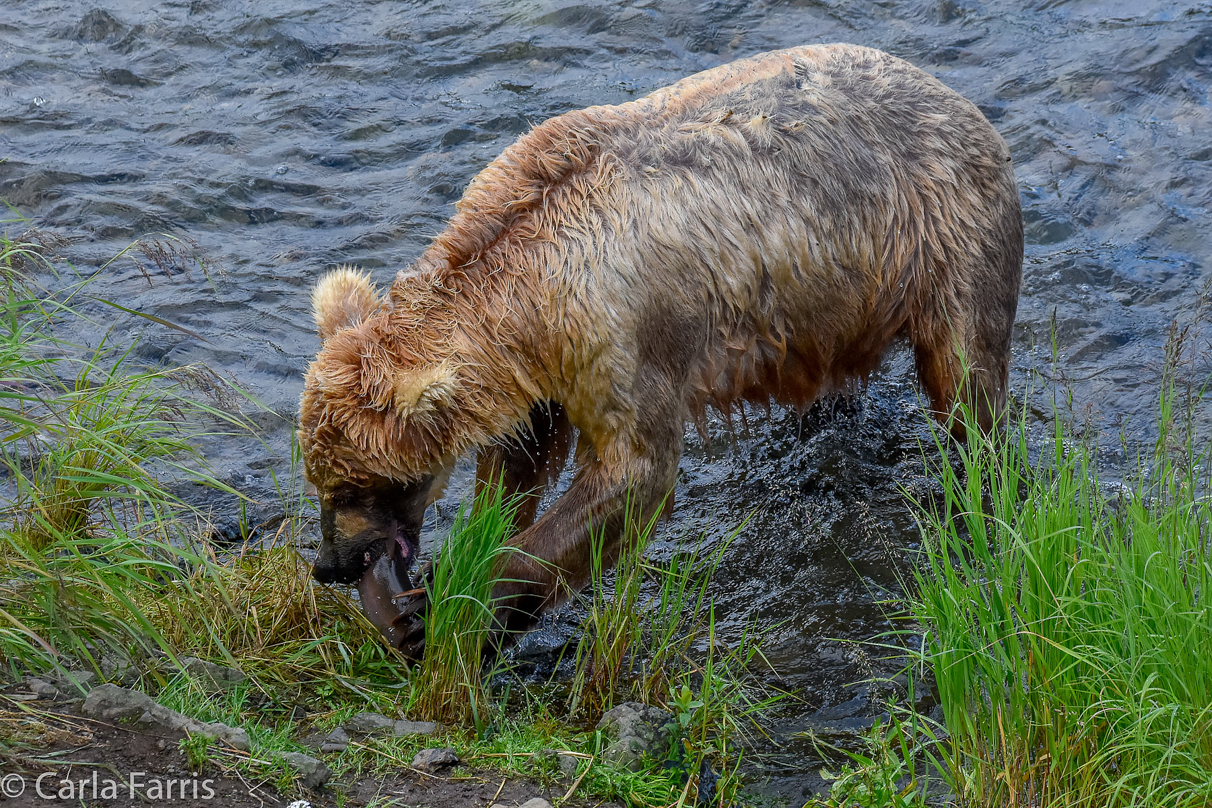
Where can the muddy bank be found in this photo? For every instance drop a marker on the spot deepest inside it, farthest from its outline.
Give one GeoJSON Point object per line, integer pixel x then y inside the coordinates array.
{"type": "Point", "coordinates": [59, 752]}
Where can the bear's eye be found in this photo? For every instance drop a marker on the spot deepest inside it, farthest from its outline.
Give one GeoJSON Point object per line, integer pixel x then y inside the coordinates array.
{"type": "Point", "coordinates": [344, 497]}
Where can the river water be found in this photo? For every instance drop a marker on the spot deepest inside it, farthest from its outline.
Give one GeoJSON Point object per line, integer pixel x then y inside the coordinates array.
{"type": "Point", "coordinates": [283, 137]}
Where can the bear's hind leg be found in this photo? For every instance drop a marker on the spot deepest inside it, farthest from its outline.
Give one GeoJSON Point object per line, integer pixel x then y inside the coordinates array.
{"type": "Point", "coordinates": [957, 371]}
{"type": "Point", "coordinates": [941, 375]}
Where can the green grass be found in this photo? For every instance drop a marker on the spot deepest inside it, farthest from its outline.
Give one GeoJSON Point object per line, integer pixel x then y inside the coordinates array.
{"type": "Point", "coordinates": [642, 621]}
{"type": "Point", "coordinates": [1068, 624]}
{"type": "Point", "coordinates": [886, 773]}
{"type": "Point", "coordinates": [613, 629]}
{"type": "Point", "coordinates": [449, 684]}
{"type": "Point", "coordinates": [512, 745]}
{"type": "Point", "coordinates": [89, 528]}
{"type": "Point", "coordinates": [98, 557]}
{"type": "Point", "coordinates": [649, 635]}
{"type": "Point", "coordinates": [101, 561]}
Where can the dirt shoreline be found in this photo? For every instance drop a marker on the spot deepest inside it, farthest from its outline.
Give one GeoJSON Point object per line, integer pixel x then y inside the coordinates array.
{"type": "Point", "coordinates": [83, 761]}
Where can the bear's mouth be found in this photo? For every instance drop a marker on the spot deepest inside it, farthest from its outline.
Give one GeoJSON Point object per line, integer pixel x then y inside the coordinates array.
{"type": "Point", "coordinates": [401, 554]}
{"type": "Point", "coordinates": [390, 560]}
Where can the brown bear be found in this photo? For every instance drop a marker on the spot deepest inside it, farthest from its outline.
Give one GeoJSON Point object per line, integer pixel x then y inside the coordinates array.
{"type": "Point", "coordinates": [759, 231]}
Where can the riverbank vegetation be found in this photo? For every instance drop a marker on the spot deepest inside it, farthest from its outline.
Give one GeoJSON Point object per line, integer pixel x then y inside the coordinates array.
{"type": "Point", "coordinates": [1063, 614]}
{"type": "Point", "coordinates": [1067, 621]}
{"type": "Point", "coordinates": [104, 566]}
{"type": "Point", "coordinates": [1060, 612]}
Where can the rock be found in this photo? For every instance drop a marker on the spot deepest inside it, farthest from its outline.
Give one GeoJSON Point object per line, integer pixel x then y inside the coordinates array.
{"type": "Point", "coordinates": [97, 25]}
{"type": "Point", "coordinates": [118, 668]}
{"type": "Point", "coordinates": [372, 724]}
{"type": "Point", "coordinates": [569, 765]}
{"type": "Point", "coordinates": [430, 760]}
{"type": "Point", "coordinates": [537, 802]}
{"type": "Point", "coordinates": [312, 773]}
{"type": "Point", "coordinates": [635, 730]}
{"type": "Point", "coordinates": [314, 741]}
{"type": "Point", "coordinates": [208, 673]}
{"type": "Point", "coordinates": [707, 780]}
{"type": "Point", "coordinates": [337, 741]}
{"type": "Point", "coordinates": [110, 703]}
{"type": "Point", "coordinates": [42, 688]}
{"type": "Point", "coordinates": [847, 733]}
{"type": "Point", "coordinates": [75, 683]}
{"type": "Point", "coordinates": [552, 758]}
{"type": "Point", "coordinates": [402, 728]}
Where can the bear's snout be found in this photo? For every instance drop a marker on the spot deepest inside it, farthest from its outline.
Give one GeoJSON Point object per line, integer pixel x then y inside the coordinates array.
{"type": "Point", "coordinates": [332, 567]}
{"type": "Point", "coordinates": [324, 569]}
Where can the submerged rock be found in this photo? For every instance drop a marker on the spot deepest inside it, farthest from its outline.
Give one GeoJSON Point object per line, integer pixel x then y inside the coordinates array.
{"type": "Point", "coordinates": [97, 25]}
{"type": "Point", "coordinates": [635, 730]}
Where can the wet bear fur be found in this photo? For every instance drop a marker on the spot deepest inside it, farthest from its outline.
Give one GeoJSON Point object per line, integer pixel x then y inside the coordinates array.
{"type": "Point", "coordinates": [761, 231]}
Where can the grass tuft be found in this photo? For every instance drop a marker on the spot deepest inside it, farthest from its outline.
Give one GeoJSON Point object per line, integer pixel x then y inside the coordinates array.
{"type": "Point", "coordinates": [99, 558]}
{"type": "Point", "coordinates": [449, 684]}
{"type": "Point", "coordinates": [1068, 621]}
{"type": "Point", "coordinates": [613, 627]}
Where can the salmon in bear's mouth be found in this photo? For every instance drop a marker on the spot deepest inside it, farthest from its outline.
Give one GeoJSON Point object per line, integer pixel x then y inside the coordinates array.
{"type": "Point", "coordinates": [385, 580]}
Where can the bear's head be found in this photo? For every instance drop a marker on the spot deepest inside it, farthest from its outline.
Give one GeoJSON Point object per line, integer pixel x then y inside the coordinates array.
{"type": "Point", "coordinates": [375, 429]}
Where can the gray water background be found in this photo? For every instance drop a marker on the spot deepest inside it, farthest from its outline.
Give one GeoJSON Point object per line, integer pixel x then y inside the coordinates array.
{"type": "Point", "coordinates": [287, 137]}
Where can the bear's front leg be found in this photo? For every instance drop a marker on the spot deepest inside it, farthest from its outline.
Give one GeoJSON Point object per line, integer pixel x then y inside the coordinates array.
{"type": "Point", "coordinates": [529, 464]}
{"type": "Point", "coordinates": [552, 557]}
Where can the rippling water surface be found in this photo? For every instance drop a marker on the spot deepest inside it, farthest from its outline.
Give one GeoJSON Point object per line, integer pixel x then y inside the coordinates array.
{"type": "Point", "coordinates": [285, 137]}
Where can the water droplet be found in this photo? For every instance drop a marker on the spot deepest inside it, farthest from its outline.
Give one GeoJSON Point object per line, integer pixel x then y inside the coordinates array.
{"type": "Point", "coordinates": [39, 101]}
{"type": "Point", "coordinates": [282, 169]}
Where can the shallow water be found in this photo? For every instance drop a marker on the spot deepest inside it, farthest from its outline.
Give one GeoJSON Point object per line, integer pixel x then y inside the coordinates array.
{"type": "Point", "coordinates": [285, 137]}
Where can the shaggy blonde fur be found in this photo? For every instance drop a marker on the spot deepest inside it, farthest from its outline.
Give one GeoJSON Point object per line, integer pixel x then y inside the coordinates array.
{"type": "Point", "coordinates": [344, 298]}
{"type": "Point", "coordinates": [763, 230]}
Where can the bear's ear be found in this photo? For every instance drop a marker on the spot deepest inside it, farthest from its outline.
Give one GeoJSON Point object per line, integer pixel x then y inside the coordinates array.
{"type": "Point", "coordinates": [343, 298]}
{"type": "Point", "coordinates": [418, 393]}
